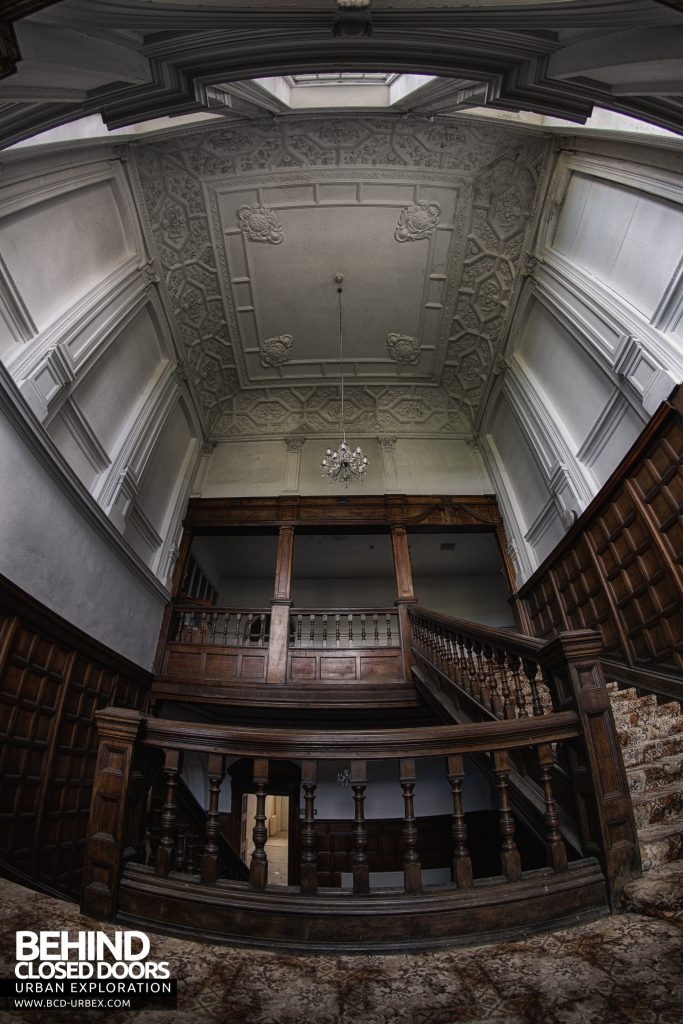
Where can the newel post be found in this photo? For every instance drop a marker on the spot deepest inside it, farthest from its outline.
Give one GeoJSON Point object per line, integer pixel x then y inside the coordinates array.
{"type": "Point", "coordinates": [404, 594]}
{"type": "Point", "coordinates": [118, 729]}
{"type": "Point", "coordinates": [605, 811]}
{"type": "Point", "coordinates": [280, 606]}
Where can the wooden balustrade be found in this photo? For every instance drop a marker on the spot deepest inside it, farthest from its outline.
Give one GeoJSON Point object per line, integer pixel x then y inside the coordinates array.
{"type": "Point", "coordinates": [225, 627]}
{"type": "Point", "coordinates": [511, 677]}
{"type": "Point", "coordinates": [344, 627]}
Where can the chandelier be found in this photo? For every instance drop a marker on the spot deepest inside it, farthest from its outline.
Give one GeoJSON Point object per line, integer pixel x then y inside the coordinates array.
{"type": "Point", "coordinates": [345, 463]}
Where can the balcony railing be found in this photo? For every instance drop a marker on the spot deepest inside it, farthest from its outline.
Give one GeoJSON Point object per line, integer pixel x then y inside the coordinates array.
{"type": "Point", "coordinates": [545, 703]}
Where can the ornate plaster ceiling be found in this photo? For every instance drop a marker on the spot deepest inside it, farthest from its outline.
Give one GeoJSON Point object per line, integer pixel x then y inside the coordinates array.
{"type": "Point", "coordinates": [425, 218]}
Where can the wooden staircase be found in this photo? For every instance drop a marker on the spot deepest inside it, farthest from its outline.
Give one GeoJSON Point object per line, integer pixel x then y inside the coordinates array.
{"type": "Point", "coordinates": [651, 737]}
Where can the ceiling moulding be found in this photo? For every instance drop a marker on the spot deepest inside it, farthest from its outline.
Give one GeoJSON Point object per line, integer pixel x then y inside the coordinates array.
{"type": "Point", "coordinates": [228, 295]}
{"type": "Point", "coordinates": [175, 58]}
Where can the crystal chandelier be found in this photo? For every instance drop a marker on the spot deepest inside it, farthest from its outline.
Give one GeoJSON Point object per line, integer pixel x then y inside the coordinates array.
{"type": "Point", "coordinates": [346, 463]}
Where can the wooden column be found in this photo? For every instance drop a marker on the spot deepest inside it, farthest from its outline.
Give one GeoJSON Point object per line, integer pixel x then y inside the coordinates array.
{"type": "Point", "coordinates": [412, 869]}
{"type": "Point", "coordinates": [258, 869]}
{"type": "Point", "coordinates": [361, 871]}
{"type": "Point", "coordinates": [309, 863]}
{"type": "Point", "coordinates": [210, 854]}
{"type": "Point", "coordinates": [117, 729]}
{"type": "Point", "coordinates": [404, 593]}
{"type": "Point", "coordinates": [280, 606]}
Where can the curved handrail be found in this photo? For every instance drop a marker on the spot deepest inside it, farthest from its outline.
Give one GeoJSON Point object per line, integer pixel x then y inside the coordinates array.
{"type": "Point", "coordinates": [366, 744]}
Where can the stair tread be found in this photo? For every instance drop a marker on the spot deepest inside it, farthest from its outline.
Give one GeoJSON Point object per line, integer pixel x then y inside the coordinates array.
{"type": "Point", "coordinates": [676, 789]}
{"type": "Point", "coordinates": [661, 829]}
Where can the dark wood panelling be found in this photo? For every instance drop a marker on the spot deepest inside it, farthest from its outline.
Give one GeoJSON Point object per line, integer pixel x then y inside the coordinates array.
{"type": "Point", "coordinates": [52, 680]}
{"type": "Point", "coordinates": [619, 567]}
{"type": "Point", "coordinates": [362, 663]}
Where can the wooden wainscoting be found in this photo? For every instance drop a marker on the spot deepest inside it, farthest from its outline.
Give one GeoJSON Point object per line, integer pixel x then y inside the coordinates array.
{"type": "Point", "coordinates": [619, 568]}
{"type": "Point", "coordinates": [53, 678]}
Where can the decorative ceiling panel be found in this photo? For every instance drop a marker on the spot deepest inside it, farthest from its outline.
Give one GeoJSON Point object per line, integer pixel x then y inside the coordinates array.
{"type": "Point", "coordinates": [426, 220]}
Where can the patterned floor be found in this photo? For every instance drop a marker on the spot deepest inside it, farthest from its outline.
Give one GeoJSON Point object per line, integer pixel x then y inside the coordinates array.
{"type": "Point", "coordinates": [619, 970]}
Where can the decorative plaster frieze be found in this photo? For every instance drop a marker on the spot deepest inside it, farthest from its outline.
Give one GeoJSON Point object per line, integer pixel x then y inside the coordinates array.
{"type": "Point", "coordinates": [387, 447]}
{"type": "Point", "coordinates": [491, 231]}
{"type": "Point", "coordinates": [260, 224]}
{"type": "Point", "coordinates": [403, 349]}
{"type": "Point", "coordinates": [275, 351]}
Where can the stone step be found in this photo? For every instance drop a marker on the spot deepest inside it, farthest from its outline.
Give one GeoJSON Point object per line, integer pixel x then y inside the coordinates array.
{"type": "Point", "coordinates": [661, 843]}
{"type": "Point", "coordinates": [663, 805]}
{"type": "Point", "coordinates": [660, 728]}
{"type": "Point", "coordinates": [651, 750]}
{"type": "Point", "coordinates": [648, 777]}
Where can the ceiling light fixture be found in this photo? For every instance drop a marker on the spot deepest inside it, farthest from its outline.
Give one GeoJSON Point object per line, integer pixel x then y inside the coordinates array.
{"type": "Point", "coordinates": [345, 464]}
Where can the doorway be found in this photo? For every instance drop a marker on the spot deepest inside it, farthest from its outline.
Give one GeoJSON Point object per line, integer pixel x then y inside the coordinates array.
{"type": "Point", "coordinates": [277, 844]}
{"type": "Point", "coordinates": [282, 818]}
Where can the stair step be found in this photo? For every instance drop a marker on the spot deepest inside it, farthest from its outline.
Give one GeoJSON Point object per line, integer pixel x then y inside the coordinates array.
{"type": "Point", "coordinates": [625, 707]}
{"type": "Point", "coordinates": [660, 728]}
{"type": "Point", "coordinates": [659, 893]}
{"type": "Point", "coordinates": [643, 715]}
{"type": "Point", "coordinates": [665, 804]}
{"type": "Point", "coordinates": [615, 695]}
{"type": "Point", "coordinates": [661, 843]}
{"type": "Point", "coordinates": [647, 777]}
{"type": "Point", "coordinates": [650, 750]}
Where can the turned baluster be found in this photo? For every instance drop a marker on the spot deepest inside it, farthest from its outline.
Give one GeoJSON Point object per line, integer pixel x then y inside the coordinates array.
{"type": "Point", "coordinates": [309, 860]}
{"type": "Point", "coordinates": [496, 697]}
{"type": "Point", "coordinates": [311, 631]}
{"type": "Point", "coordinates": [238, 619]}
{"type": "Point", "coordinates": [473, 684]}
{"type": "Point", "coordinates": [350, 618]}
{"type": "Point", "coordinates": [325, 628]}
{"type": "Point", "coordinates": [336, 628]}
{"type": "Point", "coordinates": [486, 696]}
{"type": "Point", "coordinates": [557, 852]}
{"type": "Point", "coordinates": [388, 638]}
{"type": "Point", "coordinates": [462, 863]}
{"type": "Point", "coordinates": [299, 624]}
{"type": "Point", "coordinates": [258, 868]}
{"type": "Point", "coordinates": [190, 847]}
{"type": "Point", "coordinates": [262, 631]}
{"type": "Point", "coordinates": [181, 838]}
{"type": "Point", "coordinates": [173, 762]}
{"type": "Point", "coordinates": [412, 869]}
{"type": "Point", "coordinates": [509, 854]}
{"type": "Point", "coordinates": [213, 623]}
{"type": "Point", "coordinates": [530, 669]}
{"type": "Point", "coordinates": [361, 872]}
{"type": "Point", "coordinates": [513, 662]}
{"type": "Point", "coordinates": [362, 627]}
{"type": "Point", "coordinates": [226, 622]}
{"type": "Point", "coordinates": [508, 702]}
{"type": "Point", "coordinates": [209, 872]}
{"type": "Point", "coordinates": [247, 631]}
{"type": "Point", "coordinates": [375, 622]}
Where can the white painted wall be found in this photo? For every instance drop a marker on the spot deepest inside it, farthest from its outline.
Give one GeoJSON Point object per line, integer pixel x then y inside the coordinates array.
{"type": "Point", "coordinates": [57, 545]}
{"type": "Point", "coordinates": [409, 466]}
{"type": "Point", "coordinates": [594, 344]}
{"type": "Point", "coordinates": [85, 338]}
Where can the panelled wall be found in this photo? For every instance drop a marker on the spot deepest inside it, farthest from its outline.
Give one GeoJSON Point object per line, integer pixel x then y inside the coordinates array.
{"type": "Point", "coordinates": [596, 342]}
{"type": "Point", "coordinates": [88, 345]}
{"type": "Point", "coordinates": [52, 680]}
